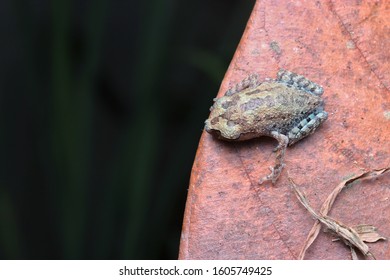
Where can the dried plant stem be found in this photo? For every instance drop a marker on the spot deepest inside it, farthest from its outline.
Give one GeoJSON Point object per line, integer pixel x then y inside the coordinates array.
{"type": "Point", "coordinates": [348, 234]}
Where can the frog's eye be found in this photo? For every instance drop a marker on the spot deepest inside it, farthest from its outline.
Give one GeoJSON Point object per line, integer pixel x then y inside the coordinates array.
{"type": "Point", "coordinates": [226, 104]}
{"type": "Point", "coordinates": [213, 132]}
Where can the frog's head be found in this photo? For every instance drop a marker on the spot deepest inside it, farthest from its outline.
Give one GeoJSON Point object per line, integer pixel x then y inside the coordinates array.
{"type": "Point", "coordinates": [221, 128]}
{"type": "Point", "coordinates": [221, 122]}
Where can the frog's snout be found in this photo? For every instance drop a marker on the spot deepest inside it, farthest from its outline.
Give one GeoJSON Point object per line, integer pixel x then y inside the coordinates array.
{"type": "Point", "coordinates": [207, 125]}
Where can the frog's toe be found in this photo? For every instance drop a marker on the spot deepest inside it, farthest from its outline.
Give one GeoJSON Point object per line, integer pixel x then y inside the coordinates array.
{"type": "Point", "coordinates": [273, 176]}
{"type": "Point", "coordinates": [267, 178]}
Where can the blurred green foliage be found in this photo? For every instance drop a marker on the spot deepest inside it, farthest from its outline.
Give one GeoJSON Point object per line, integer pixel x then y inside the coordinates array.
{"type": "Point", "coordinates": [102, 106]}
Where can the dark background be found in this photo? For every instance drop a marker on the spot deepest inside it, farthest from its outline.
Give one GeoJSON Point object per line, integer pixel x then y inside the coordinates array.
{"type": "Point", "coordinates": [102, 105]}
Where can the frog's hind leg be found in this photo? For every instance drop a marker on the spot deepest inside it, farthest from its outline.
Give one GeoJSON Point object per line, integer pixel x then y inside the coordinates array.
{"type": "Point", "coordinates": [279, 164]}
{"type": "Point", "coordinates": [307, 126]}
{"type": "Point", "coordinates": [249, 82]}
{"type": "Point", "coordinates": [299, 81]}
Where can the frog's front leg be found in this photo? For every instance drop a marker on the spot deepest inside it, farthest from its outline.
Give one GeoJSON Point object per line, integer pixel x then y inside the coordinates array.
{"type": "Point", "coordinates": [251, 81]}
{"type": "Point", "coordinates": [280, 150]}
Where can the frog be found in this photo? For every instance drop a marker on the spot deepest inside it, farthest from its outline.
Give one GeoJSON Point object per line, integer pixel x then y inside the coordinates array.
{"type": "Point", "coordinates": [288, 109]}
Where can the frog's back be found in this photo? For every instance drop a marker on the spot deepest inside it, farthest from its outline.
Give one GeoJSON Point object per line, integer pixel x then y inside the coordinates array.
{"type": "Point", "coordinates": [274, 106]}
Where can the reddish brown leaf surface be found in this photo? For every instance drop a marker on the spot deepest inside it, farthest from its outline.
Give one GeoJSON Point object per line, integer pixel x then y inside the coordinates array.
{"type": "Point", "coordinates": [344, 46]}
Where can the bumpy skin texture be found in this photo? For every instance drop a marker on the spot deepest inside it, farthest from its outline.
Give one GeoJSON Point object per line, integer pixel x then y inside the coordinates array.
{"type": "Point", "coordinates": [287, 109]}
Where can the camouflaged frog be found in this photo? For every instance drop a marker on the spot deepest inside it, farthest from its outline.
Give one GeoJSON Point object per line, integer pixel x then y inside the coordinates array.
{"type": "Point", "coordinates": [287, 109]}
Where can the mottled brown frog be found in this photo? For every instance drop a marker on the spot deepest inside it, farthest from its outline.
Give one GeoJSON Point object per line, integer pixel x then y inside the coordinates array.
{"type": "Point", "coordinates": [287, 109]}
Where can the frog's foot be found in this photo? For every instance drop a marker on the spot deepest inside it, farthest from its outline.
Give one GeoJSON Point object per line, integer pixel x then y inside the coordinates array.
{"type": "Point", "coordinates": [249, 82]}
{"type": "Point", "coordinates": [273, 176]}
{"type": "Point", "coordinates": [307, 126]}
{"type": "Point", "coordinates": [280, 151]}
{"type": "Point", "coordinates": [299, 82]}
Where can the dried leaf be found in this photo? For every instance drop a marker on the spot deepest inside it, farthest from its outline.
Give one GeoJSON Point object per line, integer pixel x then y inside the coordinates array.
{"type": "Point", "coordinates": [327, 205]}
{"type": "Point", "coordinates": [368, 233]}
{"type": "Point", "coordinates": [347, 234]}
